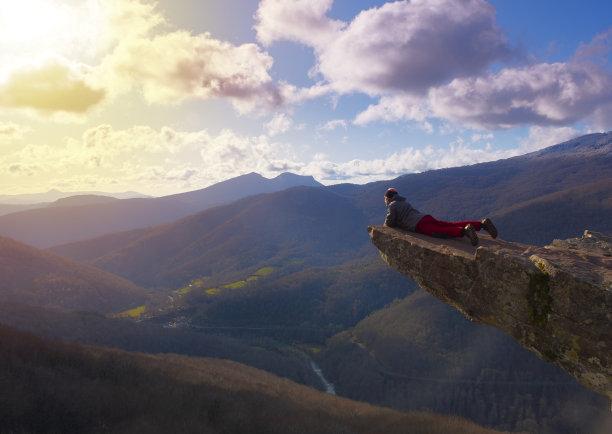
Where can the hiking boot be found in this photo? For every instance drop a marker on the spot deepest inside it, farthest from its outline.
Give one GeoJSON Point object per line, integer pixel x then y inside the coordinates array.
{"type": "Point", "coordinates": [488, 226]}
{"type": "Point", "coordinates": [470, 232]}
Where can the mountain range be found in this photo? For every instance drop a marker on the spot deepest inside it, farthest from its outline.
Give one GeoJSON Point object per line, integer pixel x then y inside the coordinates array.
{"type": "Point", "coordinates": [326, 224]}
{"type": "Point", "coordinates": [296, 265]}
{"type": "Point", "coordinates": [86, 216]}
{"type": "Point", "coordinates": [38, 199]}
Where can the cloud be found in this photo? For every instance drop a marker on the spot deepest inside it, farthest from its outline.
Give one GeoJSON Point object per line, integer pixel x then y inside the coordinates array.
{"type": "Point", "coordinates": [543, 94]}
{"type": "Point", "coordinates": [229, 153]}
{"type": "Point", "coordinates": [52, 86]}
{"type": "Point", "coordinates": [407, 160]}
{"type": "Point", "coordinates": [10, 131]}
{"type": "Point", "coordinates": [395, 108]}
{"type": "Point", "coordinates": [172, 67]}
{"type": "Point", "coordinates": [333, 124]}
{"type": "Point", "coordinates": [280, 123]}
{"type": "Point", "coordinates": [302, 21]}
{"type": "Point", "coordinates": [169, 67]}
{"type": "Point", "coordinates": [400, 47]}
{"type": "Point", "coordinates": [153, 161]}
{"type": "Point", "coordinates": [479, 137]}
{"type": "Point", "coordinates": [596, 50]}
{"type": "Point", "coordinates": [430, 59]}
{"type": "Point", "coordinates": [543, 137]}
{"type": "Point", "coordinates": [293, 95]}
{"type": "Point", "coordinates": [135, 49]}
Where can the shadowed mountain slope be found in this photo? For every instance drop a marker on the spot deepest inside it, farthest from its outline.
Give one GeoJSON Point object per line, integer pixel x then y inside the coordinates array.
{"type": "Point", "coordinates": [421, 353]}
{"type": "Point", "coordinates": [60, 387]}
{"type": "Point", "coordinates": [566, 212]}
{"type": "Point", "coordinates": [96, 329]}
{"type": "Point", "coordinates": [12, 208]}
{"type": "Point", "coordinates": [74, 219]}
{"type": "Point", "coordinates": [83, 200]}
{"type": "Point", "coordinates": [40, 278]}
{"type": "Point", "coordinates": [309, 225]}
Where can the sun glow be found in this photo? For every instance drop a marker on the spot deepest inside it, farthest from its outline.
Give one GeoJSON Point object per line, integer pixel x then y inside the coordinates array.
{"type": "Point", "coordinates": [24, 21]}
{"type": "Point", "coordinates": [31, 30]}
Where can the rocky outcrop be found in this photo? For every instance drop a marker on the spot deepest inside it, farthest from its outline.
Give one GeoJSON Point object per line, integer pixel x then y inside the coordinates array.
{"type": "Point", "coordinates": [554, 300]}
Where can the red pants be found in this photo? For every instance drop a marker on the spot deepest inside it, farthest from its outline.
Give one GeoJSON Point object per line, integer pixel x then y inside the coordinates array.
{"type": "Point", "coordinates": [436, 228]}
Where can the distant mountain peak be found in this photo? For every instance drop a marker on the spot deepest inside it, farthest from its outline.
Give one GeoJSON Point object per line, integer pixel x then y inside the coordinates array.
{"type": "Point", "coordinates": [83, 199]}
{"type": "Point", "coordinates": [590, 143]}
{"type": "Point", "coordinates": [293, 180]}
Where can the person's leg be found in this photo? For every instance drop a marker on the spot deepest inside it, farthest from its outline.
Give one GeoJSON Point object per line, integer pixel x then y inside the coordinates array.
{"type": "Point", "coordinates": [477, 225]}
{"type": "Point", "coordinates": [428, 225]}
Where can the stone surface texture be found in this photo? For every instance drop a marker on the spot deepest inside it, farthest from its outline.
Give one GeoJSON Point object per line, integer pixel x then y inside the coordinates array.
{"type": "Point", "coordinates": [554, 300]}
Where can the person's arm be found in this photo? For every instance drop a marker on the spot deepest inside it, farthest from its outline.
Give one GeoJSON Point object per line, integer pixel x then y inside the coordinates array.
{"type": "Point", "coordinates": [390, 219]}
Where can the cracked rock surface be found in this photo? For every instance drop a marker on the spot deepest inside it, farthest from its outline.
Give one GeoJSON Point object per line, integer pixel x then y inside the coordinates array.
{"type": "Point", "coordinates": [554, 300]}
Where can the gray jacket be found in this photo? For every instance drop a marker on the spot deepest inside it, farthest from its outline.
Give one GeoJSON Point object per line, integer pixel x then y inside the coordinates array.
{"type": "Point", "coordinates": [401, 214]}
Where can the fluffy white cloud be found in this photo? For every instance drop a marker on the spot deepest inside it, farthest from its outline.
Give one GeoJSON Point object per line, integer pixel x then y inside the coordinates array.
{"type": "Point", "coordinates": [401, 46]}
{"type": "Point", "coordinates": [279, 124]}
{"type": "Point", "coordinates": [543, 137]}
{"type": "Point", "coordinates": [543, 94]}
{"type": "Point", "coordinates": [408, 160]}
{"type": "Point", "coordinates": [395, 108]}
{"type": "Point", "coordinates": [301, 21]}
{"type": "Point", "coordinates": [333, 124]}
{"type": "Point", "coordinates": [229, 153]}
{"type": "Point", "coordinates": [175, 66]}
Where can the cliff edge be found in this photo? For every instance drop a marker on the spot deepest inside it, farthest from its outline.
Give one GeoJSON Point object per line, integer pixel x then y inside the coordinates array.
{"type": "Point", "coordinates": [554, 300]}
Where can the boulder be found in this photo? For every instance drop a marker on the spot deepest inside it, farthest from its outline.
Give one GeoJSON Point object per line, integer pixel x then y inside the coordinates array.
{"type": "Point", "coordinates": [554, 300]}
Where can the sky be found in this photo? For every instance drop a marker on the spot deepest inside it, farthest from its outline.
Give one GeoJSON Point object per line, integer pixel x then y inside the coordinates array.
{"type": "Point", "coordinates": [176, 95]}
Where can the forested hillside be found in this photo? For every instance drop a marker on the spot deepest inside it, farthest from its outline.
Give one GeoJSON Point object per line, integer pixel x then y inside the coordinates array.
{"type": "Point", "coordinates": [53, 387]}
{"type": "Point", "coordinates": [40, 278]}
{"type": "Point", "coordinates": [422, 353]}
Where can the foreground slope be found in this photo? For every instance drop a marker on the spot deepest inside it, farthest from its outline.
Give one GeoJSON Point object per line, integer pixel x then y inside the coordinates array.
{"type": "Point", "coordinates": [554, 301]}
{"type": "Point", "coordinates": [35, 277]}
{"type": "Point", "coordinates": [59, 387]}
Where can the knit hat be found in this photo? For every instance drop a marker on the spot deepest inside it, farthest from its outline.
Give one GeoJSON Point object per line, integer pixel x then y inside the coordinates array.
{"type": "Point", "coordinates": [391, 192]}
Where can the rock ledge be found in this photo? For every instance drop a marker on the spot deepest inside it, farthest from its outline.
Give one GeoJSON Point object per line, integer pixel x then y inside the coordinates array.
{"type": "Point", "coordinates": [555, 301]}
